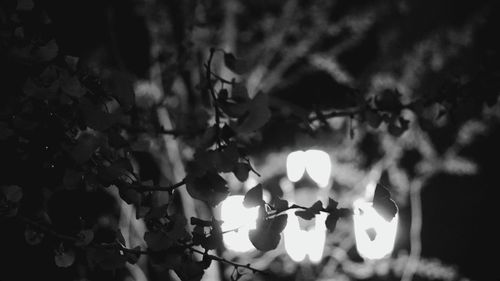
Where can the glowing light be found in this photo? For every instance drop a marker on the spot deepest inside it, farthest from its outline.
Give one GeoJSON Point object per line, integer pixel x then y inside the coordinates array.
{"type": "Point", "coordinates": [295, 165]}
{"type": "Point", "coordinates": [235, 216]}
{"type": "Point", "coordinates": [300, 244]}
{"type": "Point", "coordinates": [318, 166]}
{"type": "Point", "coordinates": [317, 163]}
{"type": "Point", "coordinates": [374, 236]}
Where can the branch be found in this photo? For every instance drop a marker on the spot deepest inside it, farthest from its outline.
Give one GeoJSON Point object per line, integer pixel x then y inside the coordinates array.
{"type": "Point", "coordinates": [222, 260]}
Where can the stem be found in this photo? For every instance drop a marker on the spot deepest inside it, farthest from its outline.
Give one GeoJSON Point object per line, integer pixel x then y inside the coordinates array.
{"type": "Point", "coordinates": [219, 259]}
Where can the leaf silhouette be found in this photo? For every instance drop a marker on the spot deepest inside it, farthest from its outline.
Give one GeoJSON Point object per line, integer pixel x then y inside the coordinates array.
{"type": "Point", "coordinates": [383, 203]}
{"type": "Point", "coordinates": [267, 235]}
{"type": "Point", "coordinates": [253, 197]}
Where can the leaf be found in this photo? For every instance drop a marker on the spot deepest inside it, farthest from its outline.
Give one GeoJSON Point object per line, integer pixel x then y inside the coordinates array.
{"type": "Point", "coordinates": [310, 212]}
{"type": "Point", "coordinates": [64, 258]}
{"type": "Point", "coordinates": [132, 257]}
{"type": "Point", "coordinates": [241, 171]}
{"type": "Point", "coordinates": [107, 259]}
{"type": "Point", "coordinates": [239, 92]}
{"type": "Point", "coordinates": [257, 116]}
{"type": "Point", "coordinates": [130, 196]}
{"type": "Point", "coordinates": [332, 205]}
{"type": "Point", "coordinates": [253, 197]}
{"type": "Point", "coordinates": [236, 65]}
{"type": "Point", "coordinates": [388, 100]}
{"type": "Point", "coordinates": [25, 5]}
{"type": "Point", "coordinates": [157, 240]}
{"type": "Point", "coordinates": [95, 117]}
{"type": "Point", "coordinates": [373, 118]}
{"type": "Point", "coordinates": [331, 221]}
{"type": "Point", "coordinates": [5, 131]}
{"type": "Point", "coordinates": [85, 237]}
{"type": "Point", "coordinates": [210, 187]}
{"type": "Point", "coordinates": [280, 205]}
{"type": "Point", "coordinates": [87, 144]}
{"type": "Point", "coordinates": [396, 129]}
{"type": "Point", "coordinates": [190, 270]}
{"type": "Point", "coordinates": [305, 214]}
{"type": "Point", "coordinates": [32, 236]}
{"type": "Point", "coordinates": [317, 207]}
{"type": "Point", "coordinates": [226, 158]}
{"type": "Point", "coordinates": [12, 193]}
{"type": "Point", "coordinates": [267, 235]}
{"type": "Point", "coordinates": [46, 52]}
{"type": "Point", "coordinates": [383, 203]}
{"type": "Point", "coordinates": [72, 86]}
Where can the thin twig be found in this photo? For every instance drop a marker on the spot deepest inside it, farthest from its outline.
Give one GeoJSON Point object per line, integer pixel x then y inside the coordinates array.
{"type": "Point", "coordinates": [219, 259]}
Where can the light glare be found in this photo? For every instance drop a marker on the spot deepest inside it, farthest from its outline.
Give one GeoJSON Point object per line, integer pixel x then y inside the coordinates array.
{"type": "Point", "coordinates": [235, 216]}
{"type": "Point", "coordinates": [367, 219]}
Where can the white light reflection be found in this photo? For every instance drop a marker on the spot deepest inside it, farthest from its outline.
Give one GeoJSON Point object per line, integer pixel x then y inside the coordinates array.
{"type": "Point", "coordinates": [316, 162]}
{"type": "Point", "coordinates": [295, 165]}
{"type": "Point", "coordinates": [374, 235]}
{"type": "Point", "coordinates": [235, 216]}
{"type": "Point", "coordinates": [318, 166]}
{"type": "Point", "coordinates": [301, 243]}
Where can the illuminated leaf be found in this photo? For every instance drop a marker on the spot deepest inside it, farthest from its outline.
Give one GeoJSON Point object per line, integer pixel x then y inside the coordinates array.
{"type": "Point", "coordinates": [383, 203]}
{"type": "Point", "coordinates": [253, 197]}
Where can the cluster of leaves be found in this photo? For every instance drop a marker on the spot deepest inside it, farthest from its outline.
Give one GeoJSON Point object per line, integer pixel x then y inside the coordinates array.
{"type": "Point", "coordinates": [272, 218]}
{"type": "Point", "coordinates": [86, 130]}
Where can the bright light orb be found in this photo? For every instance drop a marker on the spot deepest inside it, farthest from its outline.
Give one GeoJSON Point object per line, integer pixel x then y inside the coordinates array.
{"type": "Point", "coordinates": [296, 165]}
{"type": "Point", "coordinates": [300, 244]}
{"type": "Point", "coordinates": [374, 235]}
{"type": "Point", "coordinates": [317, 163]}
{"type": "Point", "coordinates": [318, 166]}
{"type": "Point", "coordinates": [235, 216]}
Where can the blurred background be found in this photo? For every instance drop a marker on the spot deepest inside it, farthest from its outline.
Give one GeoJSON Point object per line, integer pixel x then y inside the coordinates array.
{"type": "Point", "coordinates": [309, 57]}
